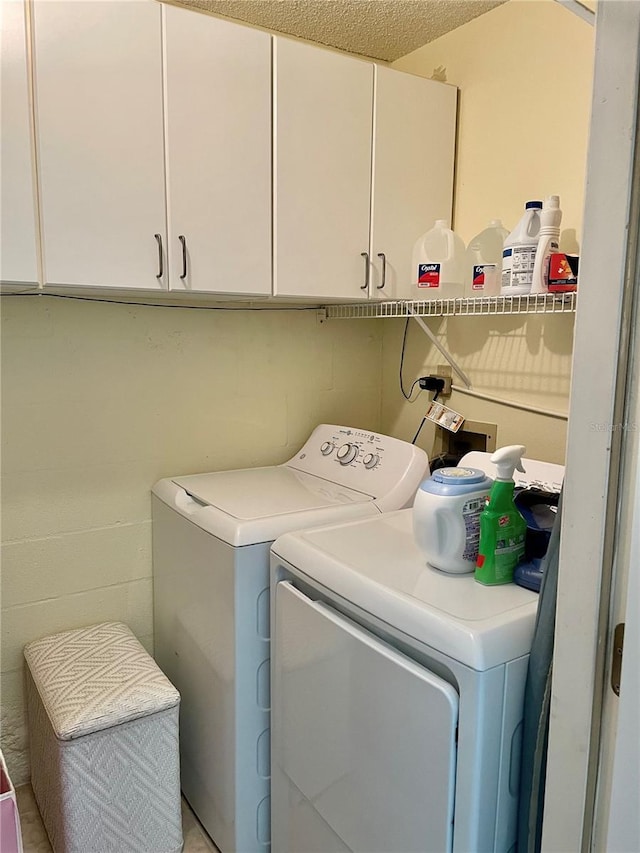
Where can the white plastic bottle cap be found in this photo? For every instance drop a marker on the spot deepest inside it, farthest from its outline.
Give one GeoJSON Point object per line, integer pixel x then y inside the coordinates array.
{"type": "Point", "coordinates": [507, 459]}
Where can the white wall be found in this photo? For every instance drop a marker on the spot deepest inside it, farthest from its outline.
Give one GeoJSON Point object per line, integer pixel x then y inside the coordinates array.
{"type": "Point", "coordinates": [101, 400]}
{"type": "Point", "coordinates": [519, 358]}
{"type": "Point", "coordinates": [524, 73]}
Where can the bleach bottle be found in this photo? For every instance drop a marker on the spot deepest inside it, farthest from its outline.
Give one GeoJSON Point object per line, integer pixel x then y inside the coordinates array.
{"type": "Point", "coordinates": [519, 253]}
{"type": "Point", "coordinates": [502, 528]}
{"type": "Point", "coordinates": [446, 514]}
{"type": "Point", "coordinates": [438, 263]}
{"type": "Point", "coordinates": [548, 242]}
{"type": "Point", "coordinates": [483, 262]}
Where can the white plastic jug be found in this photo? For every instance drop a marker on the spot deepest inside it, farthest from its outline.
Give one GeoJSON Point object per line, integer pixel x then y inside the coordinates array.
{"type": "Point", "coordinates": [548, 242]}
{"type": "Point", "coordinates": [446, 517]}
{"type": "Point", "coordinates": [438, 263]}
{"type": "Point", "coordinates": [483, 261]}
{"type": "Point", "coordinates": [519, 253]}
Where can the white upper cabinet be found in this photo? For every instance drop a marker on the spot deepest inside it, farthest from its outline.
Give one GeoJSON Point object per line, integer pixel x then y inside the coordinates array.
{"type": "Point", "coordinates": [414, 145]}
{"type": "Point", "coordinates": [177, 151]}
{"type": "Point", "coordinates": [361, 171]}
{"type": "Point", "coordinates": [18, 258]}
{"type": "Point", "coordinates": [98, 80]}
{"type": "Point", "coordinates": [323, 114]}
{"type": "Point", "coordinates": [218, 124]}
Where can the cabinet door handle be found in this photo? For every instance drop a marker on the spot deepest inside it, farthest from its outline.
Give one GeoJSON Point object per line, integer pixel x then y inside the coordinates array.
{"type": "Point", "coordinates": [384, 269]}
{"type": "Point", "coordinates": [365, 255]}
{"type": "Point", "coordinates": [160, 264]}
{"type": "Point", "coordinates": [184, 256]}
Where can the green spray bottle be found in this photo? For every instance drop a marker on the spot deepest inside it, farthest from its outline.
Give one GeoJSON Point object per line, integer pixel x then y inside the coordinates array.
{"type": "Point", "coordinates": [502, 528]}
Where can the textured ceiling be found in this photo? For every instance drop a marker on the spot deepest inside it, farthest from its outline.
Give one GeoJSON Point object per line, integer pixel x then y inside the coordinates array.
{"type": "Point", "coordinates": [379, 29]}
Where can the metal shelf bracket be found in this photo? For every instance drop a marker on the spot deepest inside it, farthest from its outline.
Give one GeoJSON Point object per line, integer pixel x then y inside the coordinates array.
{"type": "Point", "coordinates": [454, 365]}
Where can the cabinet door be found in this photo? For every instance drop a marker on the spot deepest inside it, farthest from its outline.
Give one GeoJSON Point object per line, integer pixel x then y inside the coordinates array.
{"type": "Point", "coordinates": [18, 258]}
{"type": "Point", "coordinates": [98, 67]}
{"type": "Point", "coordinates": [218, 107]}
{"type": "Point", "coordinates": [322, 181]}
{"type": "Point", "coordinates": [414, 144]}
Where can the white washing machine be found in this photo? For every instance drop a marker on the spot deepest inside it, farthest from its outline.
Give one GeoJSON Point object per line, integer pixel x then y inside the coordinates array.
{"type": "Point", "coordinates": [211, 539]}
{"type": "Point", "coordinates": [397, 693]}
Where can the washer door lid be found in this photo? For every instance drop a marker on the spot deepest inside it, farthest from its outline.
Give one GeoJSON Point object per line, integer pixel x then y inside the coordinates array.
{"type": "Point", "coordinates": [255, 493]}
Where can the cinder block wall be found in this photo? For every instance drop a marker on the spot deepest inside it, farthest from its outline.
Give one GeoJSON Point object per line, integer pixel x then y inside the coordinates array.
{"type": "Point", "coordinates": [101, 400]}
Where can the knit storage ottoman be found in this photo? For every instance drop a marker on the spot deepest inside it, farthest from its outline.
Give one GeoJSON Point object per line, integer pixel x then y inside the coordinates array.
{"type": "Point", "coordinates": [103, 732]}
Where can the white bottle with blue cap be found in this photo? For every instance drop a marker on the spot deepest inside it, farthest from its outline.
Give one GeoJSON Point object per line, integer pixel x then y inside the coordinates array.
{"type": "Point", "coordinates": [446, 517]}
{"type": "Point", "coordinates": [519, 252]}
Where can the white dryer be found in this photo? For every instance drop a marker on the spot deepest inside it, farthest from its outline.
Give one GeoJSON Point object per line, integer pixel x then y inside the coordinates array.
{"type": "Point", "coordinates": [211, 540]}
{"type": "Point", "coordinates": [397, 693]}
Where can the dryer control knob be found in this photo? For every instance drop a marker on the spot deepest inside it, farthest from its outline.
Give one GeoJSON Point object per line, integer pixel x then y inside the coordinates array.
{"type": "Point", "coordinates": [327, 448]}
{"type": "Point", "coordinates": [371, 460]}
{"type": "Point", "coordinates": [347, 453]}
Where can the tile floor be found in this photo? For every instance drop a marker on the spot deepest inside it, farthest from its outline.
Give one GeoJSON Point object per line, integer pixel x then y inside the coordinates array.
{"type": "Point", "coordinates": [34, 837]}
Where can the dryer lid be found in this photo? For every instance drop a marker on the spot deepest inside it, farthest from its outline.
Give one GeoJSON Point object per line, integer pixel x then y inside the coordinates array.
{"type": "Point", "coordinates": [255, 493]}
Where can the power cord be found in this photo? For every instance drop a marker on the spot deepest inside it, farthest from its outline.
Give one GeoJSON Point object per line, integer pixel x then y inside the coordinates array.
{"type": "Point", "coordinates": [422, 422]}
{"type": "Point", "coordinates": [404, 342]}
{"type": "Point", "coordinates": [428, 383]}
{"type": "Point", "coordinates": [39, 294]}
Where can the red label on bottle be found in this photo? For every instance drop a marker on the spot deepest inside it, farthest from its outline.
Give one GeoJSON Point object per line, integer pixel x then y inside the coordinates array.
{"type": "Point", "coordinates": [503, 521]}
{"type": "Point", "coordinates": [478, 280]}
{"type": "Point", "coordinates": [563, 272]}
{"type": "Point", "coordinates": [428, 275]}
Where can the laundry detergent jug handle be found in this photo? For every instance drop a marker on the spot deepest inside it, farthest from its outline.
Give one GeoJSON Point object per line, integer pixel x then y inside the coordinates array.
{"type": "Point", "coordinates": [532, 231]}
{"type": "Point", "coordinates": [441, 519]}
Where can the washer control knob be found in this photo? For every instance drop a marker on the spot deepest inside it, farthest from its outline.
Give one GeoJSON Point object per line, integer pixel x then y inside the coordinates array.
{"type": "Point", "coordinates": [326, 448]}
{"type": "Point", "coordinates": [347, 453]}
{"type": "Point", "coordinates": [371, 460]}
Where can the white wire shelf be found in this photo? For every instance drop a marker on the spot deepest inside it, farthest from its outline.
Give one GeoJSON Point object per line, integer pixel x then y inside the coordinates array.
{"type": "Point", "coordinates": [546, 303]}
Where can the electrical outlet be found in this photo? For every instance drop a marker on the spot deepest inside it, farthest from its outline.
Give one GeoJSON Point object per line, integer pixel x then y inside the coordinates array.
{"type": "Point", "coordinates": [446, 391]}
{"type": "Point", "coordinates": [443, 370]}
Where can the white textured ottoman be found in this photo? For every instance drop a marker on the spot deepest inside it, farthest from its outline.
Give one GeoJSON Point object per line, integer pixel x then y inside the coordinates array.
{"type": "Point", "coordinates": [103, 740]}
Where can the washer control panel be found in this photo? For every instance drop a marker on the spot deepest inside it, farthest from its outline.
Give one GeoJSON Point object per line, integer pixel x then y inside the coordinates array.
{"type": "Point", "coordinates": [365, 461]}
{"type": "Point", "coordinates": [371, 460]}
{"type": "Point", "coordinates": [348, 452]}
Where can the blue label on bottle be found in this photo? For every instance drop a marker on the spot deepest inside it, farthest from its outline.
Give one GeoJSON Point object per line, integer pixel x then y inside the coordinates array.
{"type": "Point", "coordinates": [507, 253]}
